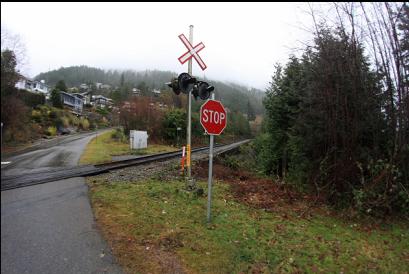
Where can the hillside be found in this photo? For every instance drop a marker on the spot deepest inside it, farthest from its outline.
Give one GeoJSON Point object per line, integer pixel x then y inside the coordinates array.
{"type": "Point", "coordinates": [234, 96]}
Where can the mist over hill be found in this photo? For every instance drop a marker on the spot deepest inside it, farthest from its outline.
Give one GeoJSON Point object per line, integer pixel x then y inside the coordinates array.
{"type": "Point", "coordinates": [234, 96]}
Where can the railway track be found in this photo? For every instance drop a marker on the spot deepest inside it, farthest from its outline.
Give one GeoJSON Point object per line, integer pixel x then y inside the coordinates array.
{"type": "Point", "coordinates": [40, 177]}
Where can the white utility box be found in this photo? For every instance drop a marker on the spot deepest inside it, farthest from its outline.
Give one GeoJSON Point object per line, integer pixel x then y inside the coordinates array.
{"type": "Point", "coordinates": [138, 139]}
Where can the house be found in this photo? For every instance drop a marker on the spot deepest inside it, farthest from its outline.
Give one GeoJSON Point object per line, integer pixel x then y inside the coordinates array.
{"type": "Point", "coordinates": [136, 92]}
{"type": "Point", "coordinates": [101, 101]}
{"type": "Point", "coordinates": [72, 101]}
{"type": "Point", "coordinates": [83, 86]}
{"type": "Point", "coordinates": [32, 85]}
{"type": "Point", "coordinates": [156, 92]}
{"type": "Point", "coordinates": [85, 96]}
{"type": "Point", "coordinates": [98, 85]}
{"type": "Point", "coordinates": [105, 86]}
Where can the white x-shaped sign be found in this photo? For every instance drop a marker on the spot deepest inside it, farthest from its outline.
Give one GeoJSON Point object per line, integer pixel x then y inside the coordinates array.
{"type": "Point", "coordinates": [192, 52]}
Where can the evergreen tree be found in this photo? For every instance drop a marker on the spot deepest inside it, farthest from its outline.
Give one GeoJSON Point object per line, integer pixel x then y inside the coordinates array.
{"type": "Point", "coordinates": [250, 112]}
{"type": "Point", "coordinates": [9, 75]}
{"type": "Point", "coordinates": [122, 82]}
{"type": "Point", "coordinates": [55, 98]}
{"type": "Point", "coordinates": [61, 86]}
{"type": "Point", "coordinates": [325, 122]}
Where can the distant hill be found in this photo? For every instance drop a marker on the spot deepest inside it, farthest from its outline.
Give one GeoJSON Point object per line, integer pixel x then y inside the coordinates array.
{"type": "Point", "coordinates": [234, 96]}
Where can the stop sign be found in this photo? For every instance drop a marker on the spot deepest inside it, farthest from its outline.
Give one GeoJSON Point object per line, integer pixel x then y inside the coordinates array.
{"type": "Point", "coordinates": [213, 117]}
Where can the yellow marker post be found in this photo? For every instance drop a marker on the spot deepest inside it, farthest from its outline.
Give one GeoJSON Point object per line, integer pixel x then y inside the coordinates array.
{"type": "Point", "coordinates": [188, 156]}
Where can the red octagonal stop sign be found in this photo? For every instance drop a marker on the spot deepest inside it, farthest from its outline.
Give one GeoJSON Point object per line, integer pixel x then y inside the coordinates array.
{"type": "Point", "coordinates": [213, 117]}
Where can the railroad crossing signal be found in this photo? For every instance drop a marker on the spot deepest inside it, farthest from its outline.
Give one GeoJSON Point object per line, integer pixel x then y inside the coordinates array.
{"type": "Point", "coordinates": [186, 84]}
{"type": "Point", "coordinates": [202, 90]}
{"type": "Point", "coordinates": [192, 52]}
{"type": "Point", "coordinates": [213, 117]}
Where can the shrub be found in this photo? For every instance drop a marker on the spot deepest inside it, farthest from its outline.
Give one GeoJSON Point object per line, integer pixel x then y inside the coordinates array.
{"type": "Point", "coordinates": [31, 99]}
{"type": "Point", "coordinates": [381, 191]}
{"type": "Point", "coordinates": [231, 162]}
{"type": "Point", "coordinates": [36, 116]}
{"type": "Point", "coordinates": [51, 131]}
{"type": "Point", "coordinates": [74, 120]}
{"type": "Point", "coordinates": [36, 130]}
{"type": "Point", "coordinates": [65, 121]}
{"type": "Point", "coordinates": [119, 135]}
{"type": "Point", "coordinates": [102, 111]}
{"type": "Point", "coordinates": [173, 119]}
{"type": "Point", "coordinates": [84, 124]}
{"type": "Point", "coordinates": [104, 122]}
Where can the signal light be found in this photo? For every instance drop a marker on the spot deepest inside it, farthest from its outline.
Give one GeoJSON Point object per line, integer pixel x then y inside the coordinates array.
{"type": "Point", "coordinates": [186, 83]}
{"type": "Point", "coordinates": [204, 90]}
{"type": "Point", "coordinates": [174, 84]}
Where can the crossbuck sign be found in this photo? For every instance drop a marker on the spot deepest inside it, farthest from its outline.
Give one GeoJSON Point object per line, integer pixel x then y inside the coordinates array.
{"type": "Point", "coordinates": [192, 52]}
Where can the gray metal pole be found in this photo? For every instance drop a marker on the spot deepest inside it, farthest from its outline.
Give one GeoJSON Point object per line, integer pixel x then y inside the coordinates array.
{"type": "Point", "coordinates": [189, 112]}
{"type": "Point", "coordinates": [209, 182]}
{"type": "Point", "coordinates": [2, 140]}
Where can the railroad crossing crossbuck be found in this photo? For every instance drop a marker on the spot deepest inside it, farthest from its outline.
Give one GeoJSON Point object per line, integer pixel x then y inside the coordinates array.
{"type": "Point", "coordinates": [192, 52]}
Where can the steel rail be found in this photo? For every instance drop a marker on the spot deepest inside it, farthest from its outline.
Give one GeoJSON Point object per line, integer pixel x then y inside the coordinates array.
{"type": "Point", "coordinates": [40, 177]}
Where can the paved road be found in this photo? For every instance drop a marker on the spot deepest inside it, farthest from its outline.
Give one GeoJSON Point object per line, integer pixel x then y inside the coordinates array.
{"type": "Point", "coordinates": [56, 153]}
{"type": "Point", "coordinates": [50, 228]}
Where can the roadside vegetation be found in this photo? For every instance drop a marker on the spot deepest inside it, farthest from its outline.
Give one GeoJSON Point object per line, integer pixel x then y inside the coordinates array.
{"type": "Point", "coordinates": [337, 118]}
{"type": "Point", "coordinates": [258, 226]}
{"type": "Point", "coordinates": [28, 116]}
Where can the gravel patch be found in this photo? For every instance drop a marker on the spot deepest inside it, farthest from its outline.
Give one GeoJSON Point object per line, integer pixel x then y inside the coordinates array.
{"type": "Point", "coordinates": [166, 170]}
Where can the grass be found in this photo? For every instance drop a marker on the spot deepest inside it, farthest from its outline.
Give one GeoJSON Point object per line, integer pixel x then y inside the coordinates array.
{"type": "Point", "coordinates": [102, 148]}
{"type": "Point", "coordinates": [154, 227]}
{"type": "Point", "coordinates": [152, 149]}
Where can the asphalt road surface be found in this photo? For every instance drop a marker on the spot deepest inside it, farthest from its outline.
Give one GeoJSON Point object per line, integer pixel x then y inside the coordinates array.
{"type": "Point", "coordinates": [50, 228]}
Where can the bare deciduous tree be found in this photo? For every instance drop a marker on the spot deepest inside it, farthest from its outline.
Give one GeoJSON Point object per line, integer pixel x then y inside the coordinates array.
{"type": "Point", "coordinates": [14, 43]}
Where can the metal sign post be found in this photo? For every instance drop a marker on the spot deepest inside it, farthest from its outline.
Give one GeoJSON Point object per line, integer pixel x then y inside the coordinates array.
{"type": "Point", "coordinates": [213, 118]}
{"type": "Point", "coordinates": [189, 115]}
{"type": "Point", "coordinates": [2, 140]}
{"type": "Point", "coordinates": [209, 181]}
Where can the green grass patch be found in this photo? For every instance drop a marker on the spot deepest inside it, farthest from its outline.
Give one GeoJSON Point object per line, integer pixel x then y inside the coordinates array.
{"type": "Point", "coordinates": [152, 149]}
{"type": "Point", "coordinates": [150, 215]}
{"type": "Point", "coordinates": [101, 149]}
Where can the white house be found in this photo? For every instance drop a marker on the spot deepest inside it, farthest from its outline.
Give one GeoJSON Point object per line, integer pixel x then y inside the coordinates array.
{"type": "Point", "coordinates": [105, 86]}
{"type": "Point", "coordinates": [32, 85]}
{"type": "Point", "coordinates": [83, 86]}
{"type": "Point", "coordinates": [136, 92]}
{"type": "Point", "coordinates": [98, 85]}
{"type": "Point", "coordinates": [156, 92]}
{"type": "Point", "coordinates": [101, 101]}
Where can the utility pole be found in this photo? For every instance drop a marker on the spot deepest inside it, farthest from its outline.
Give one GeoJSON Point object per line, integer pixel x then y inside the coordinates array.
{"type": "Point", "coordinates": [191, 182]}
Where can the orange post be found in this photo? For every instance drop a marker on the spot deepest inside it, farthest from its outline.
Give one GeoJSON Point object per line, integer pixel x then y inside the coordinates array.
{"type": "Point", "coordinates": [182, 162]}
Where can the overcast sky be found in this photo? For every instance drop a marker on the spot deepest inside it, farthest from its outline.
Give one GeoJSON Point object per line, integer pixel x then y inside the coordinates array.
{"type": "Point", "coordinates": [242, 41]}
